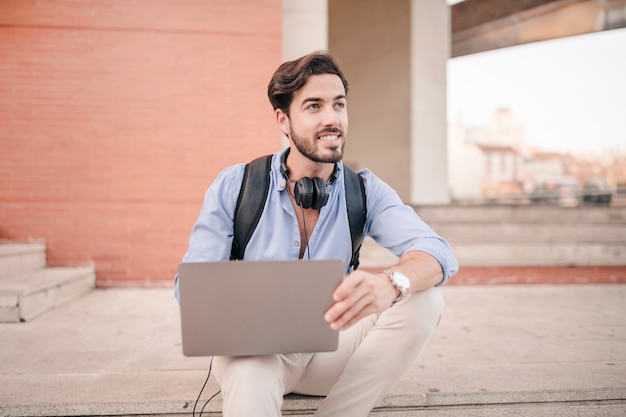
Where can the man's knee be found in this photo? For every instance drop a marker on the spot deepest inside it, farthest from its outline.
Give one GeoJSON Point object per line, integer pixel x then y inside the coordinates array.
{"type": "Point", "coordinates": [248, 370]}
{"type": "Point", "coordinates": [250, 385]}
{"type": "Point", "coordinates": [423, 312]}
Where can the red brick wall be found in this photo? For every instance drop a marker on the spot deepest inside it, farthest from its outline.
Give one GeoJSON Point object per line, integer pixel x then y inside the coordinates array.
{"type": "Point", "coordinates": [115, 115]}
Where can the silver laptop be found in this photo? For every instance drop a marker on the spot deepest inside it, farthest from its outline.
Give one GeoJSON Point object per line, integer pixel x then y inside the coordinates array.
{"type": "Point", "coordinates": [238, 308]}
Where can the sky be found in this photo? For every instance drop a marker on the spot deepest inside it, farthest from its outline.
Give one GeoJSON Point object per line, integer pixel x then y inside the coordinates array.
{"type": "Point", "coordinates": [569, 94]}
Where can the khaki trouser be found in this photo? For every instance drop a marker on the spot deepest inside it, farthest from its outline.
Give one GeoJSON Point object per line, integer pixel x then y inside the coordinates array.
{"type": "Point", "coordinates": [372, 355]}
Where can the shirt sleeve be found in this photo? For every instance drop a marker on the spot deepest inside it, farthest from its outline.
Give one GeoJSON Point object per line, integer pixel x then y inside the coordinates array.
{"type": "Point", "coordinates": [397, 227]}
{"type": "Point", "coordinates": [212, 234]}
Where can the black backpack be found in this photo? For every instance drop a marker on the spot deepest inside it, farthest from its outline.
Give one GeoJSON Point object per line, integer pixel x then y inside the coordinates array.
{"type": "Point", "coordinates": [253, 193]}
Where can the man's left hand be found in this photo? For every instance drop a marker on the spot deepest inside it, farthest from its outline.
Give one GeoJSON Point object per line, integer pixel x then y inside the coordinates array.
{"type": "Point", "coordinates": [359, 295]}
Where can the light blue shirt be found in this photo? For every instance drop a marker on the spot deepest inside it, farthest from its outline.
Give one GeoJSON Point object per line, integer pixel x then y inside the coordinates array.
{"type": "Point", "coordinates": [389, 222]}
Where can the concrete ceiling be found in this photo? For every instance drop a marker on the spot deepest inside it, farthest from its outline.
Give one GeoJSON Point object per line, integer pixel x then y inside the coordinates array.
{"type": "Point", "coordinates": [483, 25]}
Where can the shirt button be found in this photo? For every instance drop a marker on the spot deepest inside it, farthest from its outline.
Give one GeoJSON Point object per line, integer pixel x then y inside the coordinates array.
{"type": "Point", "coordinates": [296, 243]}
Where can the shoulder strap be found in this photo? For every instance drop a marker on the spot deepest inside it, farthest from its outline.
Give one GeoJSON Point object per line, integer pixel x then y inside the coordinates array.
{"type": "Point", "coordinates": [356, 202]}
{"type": "Point", "coordinates": [250, 203]}
{"type": "Point", "coordinates": [253, 193]}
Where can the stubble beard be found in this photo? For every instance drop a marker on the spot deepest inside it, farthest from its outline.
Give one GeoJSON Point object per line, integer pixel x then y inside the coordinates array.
{"type": "Point", "coordinates": [309, 149]}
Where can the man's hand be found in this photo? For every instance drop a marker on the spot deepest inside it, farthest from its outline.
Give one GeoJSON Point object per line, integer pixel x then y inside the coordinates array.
{"type": "Point", "coordinates": [363, 293]}
{"type": "Point", "coordinates": [359, 295]}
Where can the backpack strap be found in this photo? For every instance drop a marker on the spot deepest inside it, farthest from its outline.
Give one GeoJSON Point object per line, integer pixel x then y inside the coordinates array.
{"type": "Point", "coordinates": [253, 194]}
{"type": "Point", "coordinates": [250, 203]}
{"type": "Point", "coordinates": [356, 202]}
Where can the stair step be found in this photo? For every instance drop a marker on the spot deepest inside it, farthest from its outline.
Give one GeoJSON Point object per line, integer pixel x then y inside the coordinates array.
{"type": "Point", "coordinates": [21, 258]}
{"type": "Point", "coordinates": [532, 232]}
{"type": "Point", "coordinates": [521, 236]}
{"type": "Point", "coordinates": [539, 254]}
{"type": "Point", "coordinates": [522, 214]}
{"type": "Point", "coordinates": [24, 297]}
{"type": "Point", "coordinates": [497, 253]}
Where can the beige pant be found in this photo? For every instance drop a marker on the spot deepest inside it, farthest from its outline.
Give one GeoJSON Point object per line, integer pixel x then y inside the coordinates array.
{"type": "Point", "coordinates": [372, 356]}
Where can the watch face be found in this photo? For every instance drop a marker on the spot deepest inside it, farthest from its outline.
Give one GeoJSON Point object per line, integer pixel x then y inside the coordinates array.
{"type": "Point", "coordinates": [401, 280]}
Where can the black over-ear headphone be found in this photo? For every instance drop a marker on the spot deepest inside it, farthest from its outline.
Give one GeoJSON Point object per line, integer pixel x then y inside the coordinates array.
{"type": "Point", "coordinates": [309, 192]}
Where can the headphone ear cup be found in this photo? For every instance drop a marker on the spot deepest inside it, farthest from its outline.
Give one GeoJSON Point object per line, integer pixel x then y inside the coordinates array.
{"type": "Point", "coordinates": [303, 192]}
{"type": "Point", "coordinates": [321, 193]}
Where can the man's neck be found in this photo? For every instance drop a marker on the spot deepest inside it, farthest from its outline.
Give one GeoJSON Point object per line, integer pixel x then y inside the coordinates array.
{"type": "Point", "coordinates": [300, 166]}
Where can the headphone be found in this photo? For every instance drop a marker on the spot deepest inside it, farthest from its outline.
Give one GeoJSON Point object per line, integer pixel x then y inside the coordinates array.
{"type": "Point", "coordinates": [309, 192]}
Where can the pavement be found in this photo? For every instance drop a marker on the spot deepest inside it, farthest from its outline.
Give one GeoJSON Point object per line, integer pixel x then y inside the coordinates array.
{"type": "Point", "coordinates": [501, 350]}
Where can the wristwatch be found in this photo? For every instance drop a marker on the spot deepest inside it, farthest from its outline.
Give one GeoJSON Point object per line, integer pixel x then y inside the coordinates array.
{"type": "Point", "coordinates": [400, 281]}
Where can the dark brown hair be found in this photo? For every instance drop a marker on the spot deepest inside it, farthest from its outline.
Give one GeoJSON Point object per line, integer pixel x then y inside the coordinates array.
{"type": "Point", "coordinates": [292, 75]}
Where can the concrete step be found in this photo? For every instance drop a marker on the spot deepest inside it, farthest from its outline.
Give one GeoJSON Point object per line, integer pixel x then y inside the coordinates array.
{"type": "Point", "coordinates": [21, 258]}
{"type": "Point", "coordinates": [532, 232]}
{"type": "Point", "coordinates": [26, 296]}
{"type": "Point", "coordinates": [301, 406]}
{"type": "Point", "coordinates": [539, 254]}
{"type": "Point", "coordinates": [28, 288]}
{"type": "Point", "coordinates": [522, 236]}
{"type": "Point", "coordinates": [608, 408]}
{"type": "Point", "coordinates": [522, 214]}
{"type": "Point", "coordinates": [498, 253]}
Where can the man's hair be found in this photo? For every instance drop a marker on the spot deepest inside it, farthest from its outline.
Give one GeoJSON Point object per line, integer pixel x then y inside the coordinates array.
{"type": "Point", "coordinates": [292, 75]}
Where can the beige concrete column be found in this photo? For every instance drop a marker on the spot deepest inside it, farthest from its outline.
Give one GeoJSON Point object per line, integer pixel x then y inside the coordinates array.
{"type": "Point", "coordinates": [370, 38]}
{"type": "Point", "coordinates": [305, 27]}
{"type": "Point", "coordinates": [430, 49]}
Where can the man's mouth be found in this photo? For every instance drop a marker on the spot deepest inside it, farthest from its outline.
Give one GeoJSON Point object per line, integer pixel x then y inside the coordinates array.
{"type": "Point", "coordinates": [330, 135]}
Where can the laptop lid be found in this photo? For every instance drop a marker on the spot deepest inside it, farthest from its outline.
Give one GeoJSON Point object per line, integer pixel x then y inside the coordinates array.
{"type": "Point", "coordinates": [237, 308]}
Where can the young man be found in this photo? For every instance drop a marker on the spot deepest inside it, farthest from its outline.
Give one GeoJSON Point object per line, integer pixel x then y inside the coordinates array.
{"type": "Point", "coordinates": [384, 318]}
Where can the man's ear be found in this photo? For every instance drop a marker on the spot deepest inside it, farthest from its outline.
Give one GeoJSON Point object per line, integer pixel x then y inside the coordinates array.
{"type": "Point", "coordinates": [283, 121]}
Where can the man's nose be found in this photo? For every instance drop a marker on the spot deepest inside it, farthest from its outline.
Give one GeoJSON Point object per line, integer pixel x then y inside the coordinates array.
{"type": "Point", "coordinates": [330, 116]}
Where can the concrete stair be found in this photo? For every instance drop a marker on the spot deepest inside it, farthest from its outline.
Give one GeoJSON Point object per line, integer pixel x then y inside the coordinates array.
{"type": "Point", "coordinates": [28, 288]}
{"type": "Point", "coordinates": [521, 235]}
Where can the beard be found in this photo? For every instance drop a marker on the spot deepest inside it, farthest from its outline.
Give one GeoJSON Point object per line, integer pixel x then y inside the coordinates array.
{"type": "Point", "coordinates": [309, 149]}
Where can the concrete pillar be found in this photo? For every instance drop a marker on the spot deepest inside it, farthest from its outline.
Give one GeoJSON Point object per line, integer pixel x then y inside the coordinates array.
{"type": "Point", "coordinates": [305, 30]}
{"type": "Point", "coordinates": [370, 39]}
{"type": "Point", "coordinates": [430, 49]}
{"type": "Point", "coordinates": [305, 27]}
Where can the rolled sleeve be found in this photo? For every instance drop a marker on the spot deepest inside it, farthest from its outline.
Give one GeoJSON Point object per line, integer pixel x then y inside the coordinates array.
{"type": "Point", "coordinates": [397, 226]}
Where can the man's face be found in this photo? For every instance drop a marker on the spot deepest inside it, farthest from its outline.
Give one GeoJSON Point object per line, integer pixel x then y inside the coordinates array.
{"type": "Point", "coordinates": [318, 120]}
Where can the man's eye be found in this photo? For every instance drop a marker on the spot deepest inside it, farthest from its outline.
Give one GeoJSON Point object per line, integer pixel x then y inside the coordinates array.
{"type": "Point", "coordinates": [340, 105]}
{"type": "Point", "coordinates": [313, 106]}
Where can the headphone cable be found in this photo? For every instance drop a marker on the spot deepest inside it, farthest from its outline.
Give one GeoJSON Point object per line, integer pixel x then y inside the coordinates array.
{"type": "Point", "coordinates": [193, 413]}
{"type": "Point", "coordinates": [306, 236]}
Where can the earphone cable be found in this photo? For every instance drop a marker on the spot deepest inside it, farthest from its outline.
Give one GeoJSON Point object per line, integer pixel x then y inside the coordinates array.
{"type": "Point", "coordinates": [193, 413]}
{"type": "Point", "coordinates": [207, 402]}
{"type": "Point", "coordinates": [306, 236]}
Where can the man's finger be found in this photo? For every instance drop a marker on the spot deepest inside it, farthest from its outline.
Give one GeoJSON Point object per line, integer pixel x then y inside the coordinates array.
{"type": "Point", "coordinates": [346, 296]}
{"type": "Point", "coordinates": [347, 287]}
{"type": "Point", "coordinates": [351, 315]}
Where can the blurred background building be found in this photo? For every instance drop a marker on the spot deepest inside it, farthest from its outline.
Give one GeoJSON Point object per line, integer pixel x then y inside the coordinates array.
{"type": "Point", "coordinates": [494, 164]}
